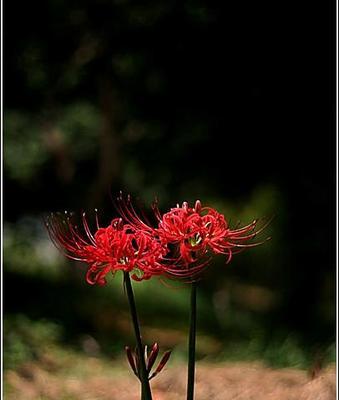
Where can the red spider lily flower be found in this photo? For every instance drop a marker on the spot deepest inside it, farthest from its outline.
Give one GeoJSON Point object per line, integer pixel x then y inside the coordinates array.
{"type": "Point", "coordinates": [192, 234]}
{"type": "Point", "coordinates": [200, 229]}
{"type": "Point", "coordinates": [116, 247]}
{"type": "Point", "coordinates": [150, 358]}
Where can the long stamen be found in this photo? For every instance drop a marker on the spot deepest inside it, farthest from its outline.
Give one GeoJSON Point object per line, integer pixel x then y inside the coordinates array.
{"type": "Point", "coordinates": [87, 230]}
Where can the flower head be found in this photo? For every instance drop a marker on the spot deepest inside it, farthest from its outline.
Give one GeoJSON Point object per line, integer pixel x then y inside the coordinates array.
{"type": "Point", "coordinates": [116, 247]}
{"type": "Point", "coordinates": [192, 235]}
{"type": "Point", "coordinates": [201, 229]}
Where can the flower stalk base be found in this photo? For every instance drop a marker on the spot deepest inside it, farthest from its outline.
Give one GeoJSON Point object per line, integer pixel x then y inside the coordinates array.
{"type": "Point", "coordinates": [146, 393]}
{"type": "Point", "coordinates": [191, 342]}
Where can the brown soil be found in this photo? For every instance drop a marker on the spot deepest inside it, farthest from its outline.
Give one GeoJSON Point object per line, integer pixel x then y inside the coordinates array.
{"type": "Point", "coordinates": [240, 381]}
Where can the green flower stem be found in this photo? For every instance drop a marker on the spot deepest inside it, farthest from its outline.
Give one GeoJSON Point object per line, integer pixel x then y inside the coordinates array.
{"type": "Point", "coordinates": [191, 342]}
{"type": "Point", "coordinates": [145, 386]}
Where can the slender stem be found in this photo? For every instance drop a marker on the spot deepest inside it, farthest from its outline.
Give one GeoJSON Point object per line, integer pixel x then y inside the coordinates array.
{"type": "Point", "coordinates": [145, 386]}
{"type": "Point", "coordinates": [191, 342]}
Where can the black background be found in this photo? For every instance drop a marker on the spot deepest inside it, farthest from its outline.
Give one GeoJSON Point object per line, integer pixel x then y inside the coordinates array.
{"type": "Point", "coordinates": [243, 93]}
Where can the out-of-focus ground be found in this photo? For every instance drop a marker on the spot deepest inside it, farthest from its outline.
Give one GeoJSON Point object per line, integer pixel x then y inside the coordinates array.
{"type": "Point", "coordinates": [68, 376]}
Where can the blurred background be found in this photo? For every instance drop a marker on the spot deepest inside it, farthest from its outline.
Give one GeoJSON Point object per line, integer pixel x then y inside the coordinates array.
{"type": "Point", "coordinates": [230, 104]}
